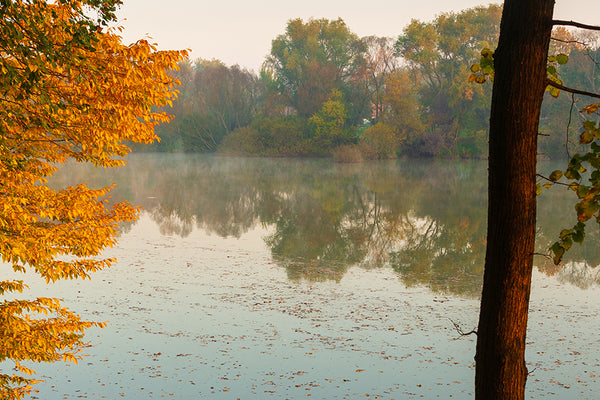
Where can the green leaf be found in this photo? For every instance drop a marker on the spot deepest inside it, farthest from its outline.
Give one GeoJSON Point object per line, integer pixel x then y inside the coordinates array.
{"type": "Point", "coordinates": [558, 251]}
{"type": "Point", "coordinates": [582, 190]}
{"type": "Point", "coordinates": [579, 234]}
{"type": "Point", "coordinates": [589, 125]}
{"type": "Point", "coordinates": [586, 209]}
{"type": "Point", "coordinates": [487, 53]}
{"type": "Point", "coordinates": [554, 92]}
{"type": "Point", "coordinates": [565, 233]}
{"type": "Point", "coordinates": [562, 59]}
{"type": "Point", "coordinates": [556, 175]}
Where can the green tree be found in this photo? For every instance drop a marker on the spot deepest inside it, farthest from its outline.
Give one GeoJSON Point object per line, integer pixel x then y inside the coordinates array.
{"type": "Point", "coordinates": [214, 100]}
{"type": "Point", "coordinates": [559, 136]}
{"type": "Point", "coordinates": [439, 55]}
{"type": "Point", "coordinates": [402, 111]}
{"type": "Point", "coordinates": [380, 61]}
{"type": "Point", "coordinates": [379, 141]}
{"type": "Point", "coordinates": [328, 124]}
{"type": "Point", "coordinates": [311, 59]}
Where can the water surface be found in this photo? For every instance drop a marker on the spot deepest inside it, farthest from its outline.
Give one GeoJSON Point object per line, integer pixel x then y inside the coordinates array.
{"type": "Point", "coordinates": [278, 278]}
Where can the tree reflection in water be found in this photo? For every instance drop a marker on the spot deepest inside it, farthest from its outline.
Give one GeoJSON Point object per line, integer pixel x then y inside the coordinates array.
{"type": "Point", "coordinates": [424, 218]}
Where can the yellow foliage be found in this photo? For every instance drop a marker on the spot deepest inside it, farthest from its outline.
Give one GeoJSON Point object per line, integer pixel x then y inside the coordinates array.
{"type": "Point", "coordinates": [68, 92]}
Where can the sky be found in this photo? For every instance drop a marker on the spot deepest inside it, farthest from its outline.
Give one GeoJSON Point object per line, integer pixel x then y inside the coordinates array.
{"type": "Point", "coordinates": [240, 31]}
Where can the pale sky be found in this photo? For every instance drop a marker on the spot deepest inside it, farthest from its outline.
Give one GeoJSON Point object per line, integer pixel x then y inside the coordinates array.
{"type": "Point", "coordinates": [240, 32]}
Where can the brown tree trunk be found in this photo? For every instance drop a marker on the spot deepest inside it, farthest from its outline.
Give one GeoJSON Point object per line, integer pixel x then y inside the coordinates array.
{"type": "Point", "coordinates": [519, 84]}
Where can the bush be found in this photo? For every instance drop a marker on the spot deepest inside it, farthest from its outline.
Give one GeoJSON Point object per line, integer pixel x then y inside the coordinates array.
{"type": "Point", "coordinates": [348, 154]}
{"type": "Point", "coordinates": [379, 142]}
{"type": "Point", "coordinates": [242, 141]}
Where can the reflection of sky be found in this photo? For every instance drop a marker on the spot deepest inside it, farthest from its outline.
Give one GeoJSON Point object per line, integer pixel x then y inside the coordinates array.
{"type": "Point", "coordinates": [211, 317]}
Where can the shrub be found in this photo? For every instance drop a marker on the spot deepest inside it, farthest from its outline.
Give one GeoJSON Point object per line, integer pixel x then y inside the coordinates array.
{"type": "Point", "coordinates": [242, 141]}
{"type": "Point", "coordinates": [379, 142]}
{"type": "Point", "coordinates": [347, 154]}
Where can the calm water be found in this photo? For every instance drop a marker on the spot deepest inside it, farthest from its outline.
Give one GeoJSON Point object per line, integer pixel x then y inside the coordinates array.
{"type": "Point", "coordinates": [286, 279]}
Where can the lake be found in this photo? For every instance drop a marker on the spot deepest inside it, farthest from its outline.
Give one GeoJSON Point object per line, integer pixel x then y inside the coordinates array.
{"type": "Point", "coordinates": [288, 279]}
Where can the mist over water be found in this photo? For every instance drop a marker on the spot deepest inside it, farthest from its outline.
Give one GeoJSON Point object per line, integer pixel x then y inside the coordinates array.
{"type": "Point", "coordinates": [271, 278]}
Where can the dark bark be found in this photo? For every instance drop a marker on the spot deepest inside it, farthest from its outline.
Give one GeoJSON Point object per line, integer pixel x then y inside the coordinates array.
{"type": "Point", "coordinates": [519, 84]}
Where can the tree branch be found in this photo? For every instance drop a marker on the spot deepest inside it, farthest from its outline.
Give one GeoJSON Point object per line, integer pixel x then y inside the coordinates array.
{"type": "Point", "coordinates": [460, 331]}
{"type": "Point", "coordinates": [575, 24]}
{"type": "Point", "coordinates": [568, 41]}
{"type": "Point", "coordinates": [570, 90]}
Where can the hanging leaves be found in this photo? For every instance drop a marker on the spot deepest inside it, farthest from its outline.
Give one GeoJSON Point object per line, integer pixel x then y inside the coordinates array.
{"type": "Point", "coordinates": [484, 70]}
{"type": "Point", "coordinates": [584, 173]}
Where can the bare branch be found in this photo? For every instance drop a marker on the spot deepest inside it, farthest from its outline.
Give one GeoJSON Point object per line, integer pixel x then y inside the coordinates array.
{"type": "Point", "coordinates": [568, 41]}
{"type": "Point", "coordinates": [546, 256]}
{"type": "Point", "coordinates": [571, 90]}
{"type": "Point", "coordinates": [576, 24]}
{"type": "Point", "coordinates": [460, 331]}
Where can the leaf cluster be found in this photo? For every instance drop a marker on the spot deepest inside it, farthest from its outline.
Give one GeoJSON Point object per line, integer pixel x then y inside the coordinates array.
{"type": "Point", "coordinates": [68, 91]}
{"type": "Point", "coordinates": [583, 176]}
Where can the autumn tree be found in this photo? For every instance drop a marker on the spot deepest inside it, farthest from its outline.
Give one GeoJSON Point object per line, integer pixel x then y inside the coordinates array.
{"type": "Point", "coordinates": [380, 61]}
{"type": "Point", "coordinates": [439, 54]}
{"type": "Point", "coordinates": [311, 59]}
{"type": "Point", "coordinates": [403, 111]}
{"type": "Point", "coordinates": [521, 76]}
{"type": "Point", "coordinates": [214, 100]}
{"type": "Point", "coordinates": [328, 123]}
{"type": "Point", "coordinates": [70, 90]}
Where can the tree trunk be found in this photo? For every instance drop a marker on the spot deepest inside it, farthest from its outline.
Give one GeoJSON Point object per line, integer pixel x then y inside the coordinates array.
{"type": "Point", "coordinates": [519, 84]}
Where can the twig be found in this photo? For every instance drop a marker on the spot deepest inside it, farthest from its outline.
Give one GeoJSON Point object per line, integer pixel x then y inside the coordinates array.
{"type": "Point", "coordinates": [569, 125]}
{"type": "Point", "coordinates": [553, 182]}
{"type": "Point", "coordinates": [547, 256]}
{"type": "Point", "coordinates": [460, 331]}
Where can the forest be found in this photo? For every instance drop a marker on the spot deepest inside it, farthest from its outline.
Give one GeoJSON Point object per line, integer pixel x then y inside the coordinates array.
{"type": "Point", "coordinates": [324, 91]}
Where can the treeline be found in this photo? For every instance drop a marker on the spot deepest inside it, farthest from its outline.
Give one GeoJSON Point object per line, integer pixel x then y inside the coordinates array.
{"type": "Point", "coordinates": [324, 91]}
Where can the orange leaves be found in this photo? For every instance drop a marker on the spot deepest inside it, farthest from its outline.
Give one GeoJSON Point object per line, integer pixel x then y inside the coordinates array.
{"type": "Point", "coordinates": [69, 91]}
{"type": "Point", "coordinates": [592, 108]}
